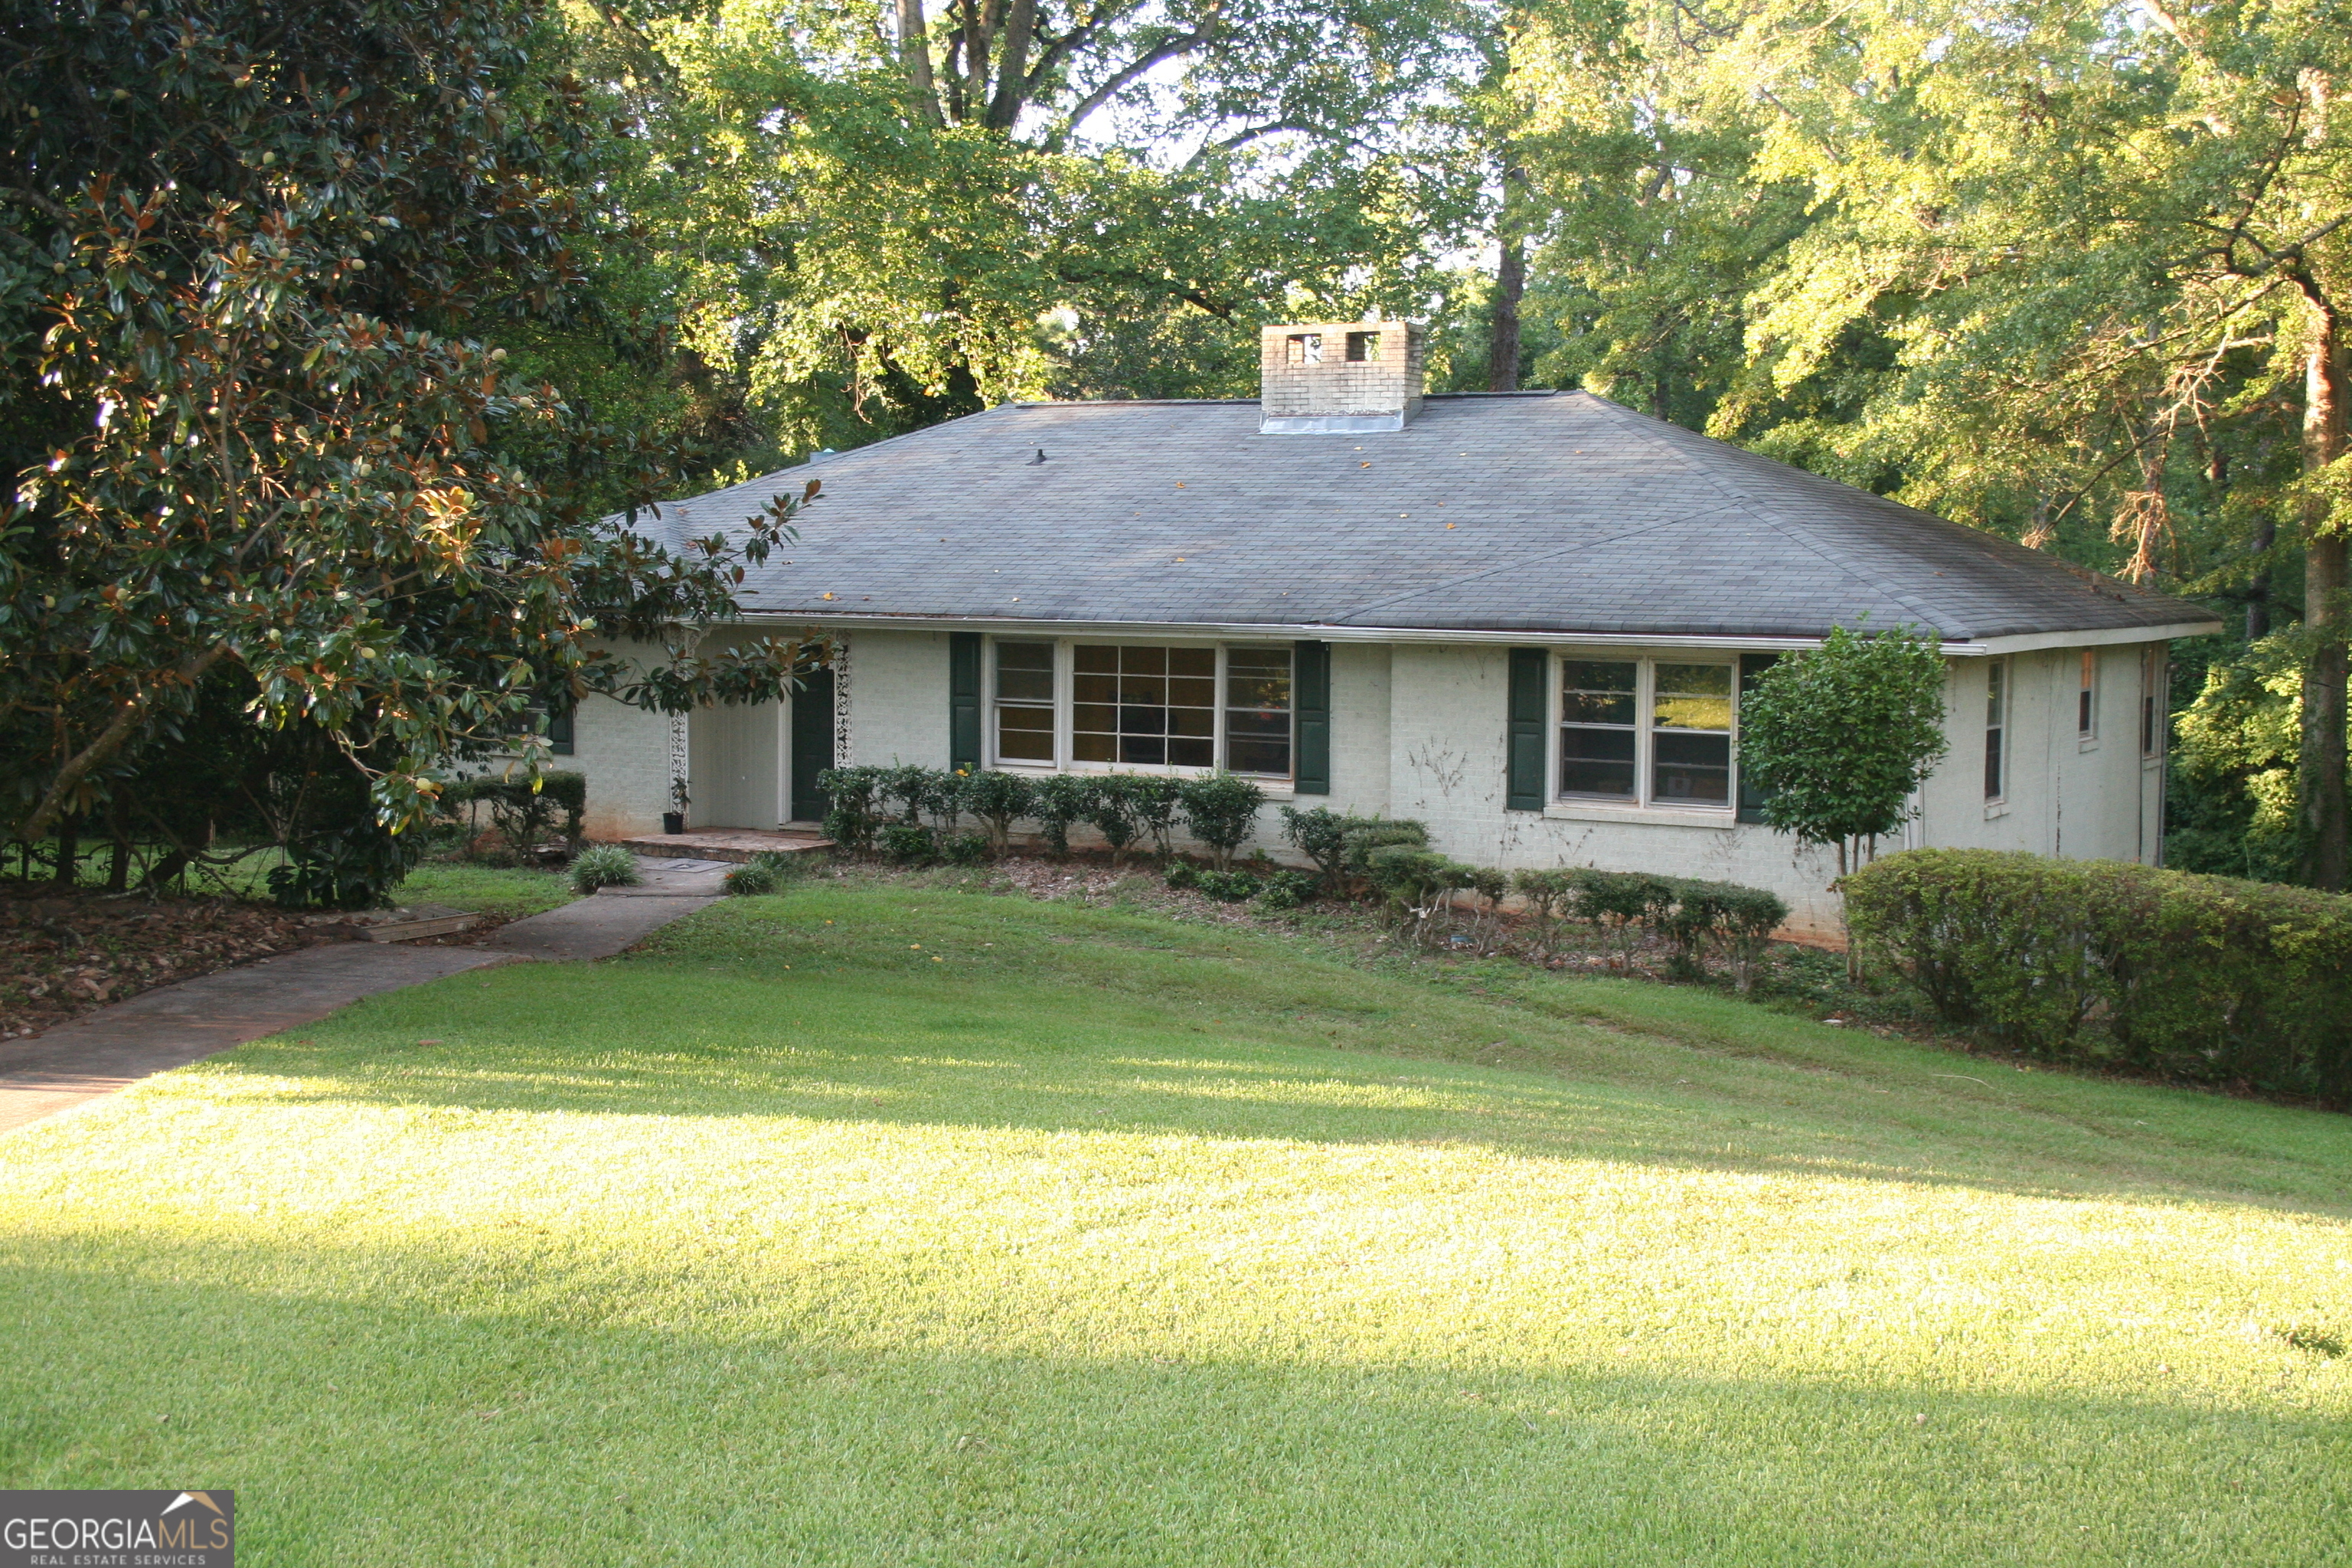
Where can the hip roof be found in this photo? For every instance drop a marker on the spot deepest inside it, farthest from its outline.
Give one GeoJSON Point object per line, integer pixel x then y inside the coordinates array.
{"type": "Point", "coordinates": [1523, 513]}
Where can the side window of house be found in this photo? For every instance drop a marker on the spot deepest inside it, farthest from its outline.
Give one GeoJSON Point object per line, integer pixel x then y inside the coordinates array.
{"type": "Point", "coordinates": [1024, 702]}
{"type": "Point", "coordinates": [560, 730]}
{"type": "Point", "coordinates": [2086, 697]}
{"type": "Point", "coordinates": [1692, 713]}
{"type": "Point", "coordinates": [1598, 737]}
{"type": "Point", "coordinates": [1996, 728]}
{"type": "Point", "coordinates": [1688, 725]}
{"type": "Point", "coordinates": [2152, 703]}
{"type": "Point", "coordinates": [1258, 710]}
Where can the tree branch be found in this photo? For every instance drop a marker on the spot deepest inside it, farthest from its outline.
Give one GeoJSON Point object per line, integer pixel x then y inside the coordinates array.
{"type": "Point", "coordinates": [37, 202]}
{"type": "Point", "coordinates": [110, 740]}
{"type": "Point", "coordinates": [1119, 81]}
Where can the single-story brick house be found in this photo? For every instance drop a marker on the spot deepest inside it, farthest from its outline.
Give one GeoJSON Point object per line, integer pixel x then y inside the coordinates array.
{"type": "Point", "coordinates": [1524, 618]}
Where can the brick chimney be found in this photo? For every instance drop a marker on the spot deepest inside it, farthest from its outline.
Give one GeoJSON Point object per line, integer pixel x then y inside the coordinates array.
{"type": "Point", "coordinates": [1342, 377]}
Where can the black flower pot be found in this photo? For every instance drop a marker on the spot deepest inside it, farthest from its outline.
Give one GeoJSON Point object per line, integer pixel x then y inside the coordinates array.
{"type": "Point", "coordinates": [673, 822]}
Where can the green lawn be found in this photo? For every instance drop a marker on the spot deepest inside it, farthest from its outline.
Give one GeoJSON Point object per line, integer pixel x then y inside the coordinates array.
{"type": "Point", "coordinates": [1072, 1235]}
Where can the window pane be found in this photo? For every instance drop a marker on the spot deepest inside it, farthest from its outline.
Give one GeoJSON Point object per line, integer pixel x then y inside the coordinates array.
{"type": "Point", "coordinates": [1142, 719]}
{"type": "Point", "coordinates": [1099, 659]}
{"type": "Point", "coordinates": [1596, 675]}
{"type": "Point", "coordinates": [1192, 691]}
{"type": "Point", "coordinates": [1196, 661]}
{"type": "Point", "coordinates": [1258, 723]}
{"type": "Point", "coordinates": [1025, 686]}
{"type": "Point", "coordinates": [1024, 656]}
{"type": "Point", "coordinates": [1258, 756]}
{"type": "Point", "coordinates": [1597, 763]}
{"type": "Point", "coordinates": [1094, 748]}
{"type": "Point", "coordinates": [1144, 689]}
{"type": "Point", "coordinates": [1194, 753]}
{"type": "Point", "coordinates": [1096, 689]}
{"type": "Point", "coordinates": [1694, 696]}
{"type": "Point", "coordinates": [1143, 661]}
{"type": "Point", "coordinates": [1148, 748]}
{"type": "Point", "coordinates": [1692, 769]}
{"type": "Point", "coordinates": [1025, 734]}
{"type": "Point", "coordinates": [1201, 722]}
{"type": "Point", "coordinates": [1095, 718]}
{"type": "Point", "coordinates": [1597, 708]}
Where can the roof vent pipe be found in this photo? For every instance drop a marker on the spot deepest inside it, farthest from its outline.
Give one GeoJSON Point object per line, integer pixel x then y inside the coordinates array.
{"type": "Point", "coordinates": [1339, 378]}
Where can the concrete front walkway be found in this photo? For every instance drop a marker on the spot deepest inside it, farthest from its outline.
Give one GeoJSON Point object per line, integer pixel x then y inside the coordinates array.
{"type": "Point", "coordinates": [601, 926]}
{"type": "Point", "coordinates": [173, 1026]}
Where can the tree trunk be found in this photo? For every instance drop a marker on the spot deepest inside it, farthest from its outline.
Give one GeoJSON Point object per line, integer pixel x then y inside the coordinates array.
{"type": "Point", "coordinates": [914, 57]}
{"type": "Point", "coordinates": [2326, 825]}
{"type": "Point", "coordinates": [68, 848]}
{"type": "Point", "coordinates": [118, 870]}
{"type": "Point", "coordinates": [2258, 591]}
{"type": "Point", "coordinates": [1510, 285]}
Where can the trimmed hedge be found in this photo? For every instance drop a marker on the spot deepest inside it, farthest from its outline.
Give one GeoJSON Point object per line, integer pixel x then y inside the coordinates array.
{"type": "Point", "coordinates": [885, 808]}
{"type": "Point", "coordinates": [513, 800]}
{"type": "Point", "coordinates": [2210, 979]}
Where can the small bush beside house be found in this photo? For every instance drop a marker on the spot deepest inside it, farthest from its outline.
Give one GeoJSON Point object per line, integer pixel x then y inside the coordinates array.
{"type": "Point", "coordinates": [2208, 979]}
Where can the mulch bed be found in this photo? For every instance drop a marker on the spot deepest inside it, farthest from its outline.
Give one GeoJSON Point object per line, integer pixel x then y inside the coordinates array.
{"type": "Point", "coordinates": [62, 955]}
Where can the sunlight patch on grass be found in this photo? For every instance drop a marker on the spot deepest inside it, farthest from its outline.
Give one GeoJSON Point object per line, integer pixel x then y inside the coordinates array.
{"type": "Point", "coordinates": [1151, 1248]}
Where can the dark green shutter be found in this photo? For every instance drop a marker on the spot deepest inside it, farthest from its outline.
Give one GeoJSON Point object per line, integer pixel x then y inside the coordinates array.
{"type": "Point", "coordinates": [964, 700]}
{"type": "Point", "coordinates": [1751, 665]}
{"type": "Point", "coordinates": [1524, 789]}
{"type": "Point", "coordinates": [1310, 697]}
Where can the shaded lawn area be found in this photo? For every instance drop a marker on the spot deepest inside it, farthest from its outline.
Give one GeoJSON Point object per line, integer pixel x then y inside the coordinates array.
{"type": "Point", "coordinates": [508, 892]}
{"type": "Point", "coordinates": [876, 1227]}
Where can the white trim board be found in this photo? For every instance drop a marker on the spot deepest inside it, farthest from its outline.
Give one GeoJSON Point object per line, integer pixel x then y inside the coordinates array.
{"type": "Point", "coordinates": [1245, 631]}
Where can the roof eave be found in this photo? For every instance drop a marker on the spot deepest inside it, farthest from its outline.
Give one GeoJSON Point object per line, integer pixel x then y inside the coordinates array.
{"type": "Point", "coordinates": [1953, 646]}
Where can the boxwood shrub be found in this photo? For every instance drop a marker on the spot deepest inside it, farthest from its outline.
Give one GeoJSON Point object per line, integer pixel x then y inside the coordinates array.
{"type": "Point", "coordinates": [2204, 978]}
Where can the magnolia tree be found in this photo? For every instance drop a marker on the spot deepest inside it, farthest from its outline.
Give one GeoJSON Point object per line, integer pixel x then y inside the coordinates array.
{"type": "Point", "coordinates": [1837, 740]}
{"type": "Point", "coordinates": [257, 427]}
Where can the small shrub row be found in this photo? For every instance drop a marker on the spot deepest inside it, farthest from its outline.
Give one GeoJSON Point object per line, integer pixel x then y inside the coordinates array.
{"type": "Point", "coordinates": [2202, 978]}
{"type": "Point", "coordinates": [916, 814]}
{"type": "Point", "coordinates": [1695, 919]}
{"type": "Point", "coordinates": [1272, 890]}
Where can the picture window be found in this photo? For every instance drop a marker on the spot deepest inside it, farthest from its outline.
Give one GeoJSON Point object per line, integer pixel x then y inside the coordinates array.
{"type": "Point", "coordinates": [1131, 706]}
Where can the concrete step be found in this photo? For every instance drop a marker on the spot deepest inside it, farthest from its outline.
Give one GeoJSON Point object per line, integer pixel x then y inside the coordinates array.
{"type": "Point", "coordinates": [731, 843]}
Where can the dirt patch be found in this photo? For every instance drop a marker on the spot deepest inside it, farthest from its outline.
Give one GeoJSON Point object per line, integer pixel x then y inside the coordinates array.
{"type": "Point", "coordinates": [61, 956]}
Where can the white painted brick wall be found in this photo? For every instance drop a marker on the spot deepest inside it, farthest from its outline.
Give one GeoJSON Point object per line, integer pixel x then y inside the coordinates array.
{"type": "Point", "coordinates": [1418, 731]}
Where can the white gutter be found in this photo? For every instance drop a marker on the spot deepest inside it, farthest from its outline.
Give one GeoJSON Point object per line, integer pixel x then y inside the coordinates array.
{"type": "Point", "coordinates": [2034, 642]}
{"type": "Point", "coordinates": [1990, 646]}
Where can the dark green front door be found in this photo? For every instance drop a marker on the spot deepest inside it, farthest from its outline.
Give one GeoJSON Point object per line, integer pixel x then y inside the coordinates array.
{"type": "Point", "coordinates": [812, 744]}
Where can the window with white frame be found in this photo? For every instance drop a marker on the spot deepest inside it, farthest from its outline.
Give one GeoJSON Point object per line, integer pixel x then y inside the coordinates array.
{"type": "Point", "coordinates": [1996, 762]}
{"type": "Point", "coordinates": [2086, 697]}
{"type": "Point", "coordinates": [1656, 731]}
{"type": "Point", "coordinates": [1024, 702]}
{"type": "Point", "coordinates": [2152, 696]}
{"type": "Point", "coordinates": [1132, 705]}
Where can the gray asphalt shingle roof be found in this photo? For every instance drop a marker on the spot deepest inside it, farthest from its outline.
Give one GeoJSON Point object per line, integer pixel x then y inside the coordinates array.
{"type": "Point", "coordinates": [1567, 513]}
